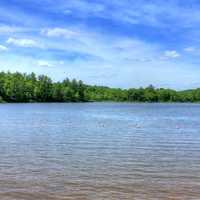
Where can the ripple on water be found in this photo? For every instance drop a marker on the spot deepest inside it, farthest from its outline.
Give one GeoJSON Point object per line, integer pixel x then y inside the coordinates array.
{"type": "Point", "coordinates": [100, 151]}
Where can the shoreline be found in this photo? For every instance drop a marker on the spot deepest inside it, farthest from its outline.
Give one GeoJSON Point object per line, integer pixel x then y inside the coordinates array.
{"type": "Point", "coordinates": [101, 102]}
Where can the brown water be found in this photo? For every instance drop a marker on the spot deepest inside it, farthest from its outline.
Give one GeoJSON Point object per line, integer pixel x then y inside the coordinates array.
{"type": "Point", "coordinates": [100, 151]}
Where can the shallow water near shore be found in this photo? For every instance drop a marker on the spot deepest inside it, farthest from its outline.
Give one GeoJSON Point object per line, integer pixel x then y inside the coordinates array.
{"type": "Point", "coordinates": [100, 151]}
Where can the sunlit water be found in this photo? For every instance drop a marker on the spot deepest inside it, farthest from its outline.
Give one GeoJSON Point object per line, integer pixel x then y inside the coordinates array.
{"type": "Point", "coordinates": [100, 151]}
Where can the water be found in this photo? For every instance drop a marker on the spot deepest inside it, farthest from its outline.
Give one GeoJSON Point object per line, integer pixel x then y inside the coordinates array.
{"type": "Point", "coordinates": [100, 151]}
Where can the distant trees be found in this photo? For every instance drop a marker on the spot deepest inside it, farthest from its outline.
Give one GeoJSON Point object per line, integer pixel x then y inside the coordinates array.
{"type": "Point", "coordinates": [18, 87]}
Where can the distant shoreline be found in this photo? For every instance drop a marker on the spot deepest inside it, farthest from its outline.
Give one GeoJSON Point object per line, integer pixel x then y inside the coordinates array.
{"type": "Point", "coordinates": [101, 102]}
{"type": "Point", "coordinates": [29, 88]}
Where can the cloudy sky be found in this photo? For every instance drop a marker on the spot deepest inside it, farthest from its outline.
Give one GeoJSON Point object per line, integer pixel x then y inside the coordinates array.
{"type": "Point", "coordinates": [119, 43]}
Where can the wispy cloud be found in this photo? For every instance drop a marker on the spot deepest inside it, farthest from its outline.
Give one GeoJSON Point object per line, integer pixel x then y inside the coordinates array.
{"type": "Point", "coordinates": [190, 49]}
{"type": "Point", "coordinates": [23, 42]}
{"type": "Point", "coordinates": [8, 29]}
{"type": "Point", "coordinates": [152, 13]}
{"type": "Point", "coordinates": [139, 42]}
{"type": "Point", "coordinates": [59, 32]}
{"type": "Point", "coordinates": [171, 54]}
{"type": "Point", "coordinates": [44, 63]}
{"type": "Point", "coordinates": [3, 48]}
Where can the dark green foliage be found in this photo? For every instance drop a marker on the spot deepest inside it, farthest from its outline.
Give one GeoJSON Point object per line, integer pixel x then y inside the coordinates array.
{"type": "Point", "coordinates": [18, 87]}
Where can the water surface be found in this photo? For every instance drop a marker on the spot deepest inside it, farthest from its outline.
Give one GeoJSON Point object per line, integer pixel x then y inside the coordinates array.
{"type": "Point", "coordinates": [100, 151]}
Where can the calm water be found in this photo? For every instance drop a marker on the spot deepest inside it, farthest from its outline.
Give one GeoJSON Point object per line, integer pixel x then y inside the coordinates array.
{"type": "Point", "coordinates": [100, 151]}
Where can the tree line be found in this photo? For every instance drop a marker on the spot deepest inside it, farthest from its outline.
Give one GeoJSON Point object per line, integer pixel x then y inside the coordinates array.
{"type": "Point", "coordinates": [22, 87]}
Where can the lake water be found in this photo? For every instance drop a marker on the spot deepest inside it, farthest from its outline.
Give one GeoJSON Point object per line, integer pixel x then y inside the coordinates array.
{"type": "Point", "coordinates": [100, 151]}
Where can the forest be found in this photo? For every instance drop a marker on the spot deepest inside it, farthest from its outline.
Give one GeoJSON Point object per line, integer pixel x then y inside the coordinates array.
{"type": "Point", "coordinates": [21, 87]}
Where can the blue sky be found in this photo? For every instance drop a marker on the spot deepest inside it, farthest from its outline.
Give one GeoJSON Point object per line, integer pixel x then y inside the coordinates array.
{"type": "Point", "coordinates": [129, 43]}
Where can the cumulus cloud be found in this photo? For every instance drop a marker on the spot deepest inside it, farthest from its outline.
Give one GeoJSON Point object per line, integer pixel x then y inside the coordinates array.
{"type": "Point", "coordinates": [3, 48]}
{"type": "Point", "coordinates": [171, 54]}
{"type": "Point", "coordinates": [23, 42]}
{"type": "Point", "coordinates": [59, 32]}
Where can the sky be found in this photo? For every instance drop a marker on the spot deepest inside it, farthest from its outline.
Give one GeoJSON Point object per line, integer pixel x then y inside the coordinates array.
{"type": "Point", "coordinates": [117, 43]}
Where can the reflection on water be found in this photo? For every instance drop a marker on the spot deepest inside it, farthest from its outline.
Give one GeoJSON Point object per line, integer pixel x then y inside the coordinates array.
{"type": "Point", "coordinates": [100, 151]}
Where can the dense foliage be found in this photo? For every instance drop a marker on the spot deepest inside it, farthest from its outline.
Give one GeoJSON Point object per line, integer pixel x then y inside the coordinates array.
{"type": "Point", "coordinates": [18, 87]}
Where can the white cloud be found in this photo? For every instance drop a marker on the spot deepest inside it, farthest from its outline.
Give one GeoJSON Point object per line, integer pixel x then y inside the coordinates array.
{"type": "Point", "coordinates": [23, 42]}
{"type": "Point", "coordinates": [130, 59]}
{"type": "Point", "coordinates": [3, 48]}
{"type": "Point", "coordinates": [61, 62]}
{"type": "Point", "coordinates": [50, 63]}
{"type": "Point", "coordinates": [156, 13]}
{"type": "Point", "coordinates": [171, 54]}
{"type": "Point", "coordinates": [44, 63]}
{"type": "Point", "coordinates": [9, 29]}
{"type": "Point", "coordinates": [59, 32]}
{"type": "Point", "coordinates": [190, 49]}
